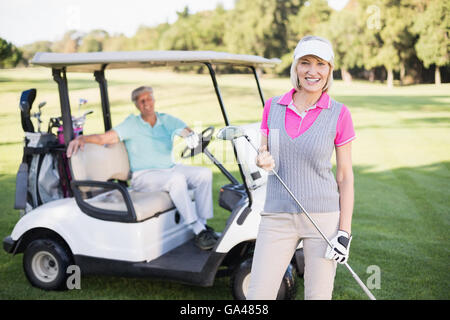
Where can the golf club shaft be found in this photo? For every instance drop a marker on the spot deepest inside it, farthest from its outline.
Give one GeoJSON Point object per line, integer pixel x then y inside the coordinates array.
{"type": "Point", "coordinates": [361, 284]}
{"type": "Point", "coordinates": [355, 276]}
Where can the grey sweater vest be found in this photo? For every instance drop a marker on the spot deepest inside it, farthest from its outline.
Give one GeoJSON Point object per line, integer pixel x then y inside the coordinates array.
{"type": "Point", "coordinates": [303, 163]}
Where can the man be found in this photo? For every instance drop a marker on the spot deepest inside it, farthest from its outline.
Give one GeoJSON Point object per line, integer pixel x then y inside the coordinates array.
{"type": "Point", "coordinates": [148, 138]}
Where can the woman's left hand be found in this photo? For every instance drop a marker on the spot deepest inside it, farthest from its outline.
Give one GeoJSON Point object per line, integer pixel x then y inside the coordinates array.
{"type": "Point", "coordinates": [341, 247]}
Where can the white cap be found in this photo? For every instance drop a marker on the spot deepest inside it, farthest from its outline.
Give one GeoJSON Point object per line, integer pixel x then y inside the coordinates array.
{"type": "Point", "coordinates": [319, 48]}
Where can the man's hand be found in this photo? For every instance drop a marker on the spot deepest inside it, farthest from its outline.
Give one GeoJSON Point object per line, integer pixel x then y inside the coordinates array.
{"type": "Point", "coordinates": [191, 140]}
{"type": "Point", "coordinates": [109, 137]}
{"type": "Point", "coordinates": [74, 145]}
{"type": "Point", "coordinates": [341, 247]}
{"type": "Point", "coordinates": [264, 159]}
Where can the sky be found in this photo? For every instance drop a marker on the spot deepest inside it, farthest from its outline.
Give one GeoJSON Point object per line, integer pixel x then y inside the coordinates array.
{"type": "Point", "coordinates": [26, 21]}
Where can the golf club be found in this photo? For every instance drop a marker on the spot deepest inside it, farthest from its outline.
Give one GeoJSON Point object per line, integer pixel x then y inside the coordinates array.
{"type": "Point", "coordinates": [233, 132]}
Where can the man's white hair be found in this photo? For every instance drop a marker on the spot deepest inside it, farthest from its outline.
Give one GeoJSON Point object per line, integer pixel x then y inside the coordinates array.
{"type": "Point", "coordinates": [138, 91]}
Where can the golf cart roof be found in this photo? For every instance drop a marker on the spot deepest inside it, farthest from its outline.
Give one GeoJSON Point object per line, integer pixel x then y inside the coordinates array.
{"type": "Point", "coordinates": [93, 61]}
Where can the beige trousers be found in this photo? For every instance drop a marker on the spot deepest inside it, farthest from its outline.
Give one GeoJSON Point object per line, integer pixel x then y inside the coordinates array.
{"type": "Point", "coordinates": [176, 181]}
{"type": "Point", "coordinates": [278, 237]}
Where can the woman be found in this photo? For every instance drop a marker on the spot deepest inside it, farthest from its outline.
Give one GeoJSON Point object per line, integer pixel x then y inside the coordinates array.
{"type": "Point", "coordinates": [300, 131]}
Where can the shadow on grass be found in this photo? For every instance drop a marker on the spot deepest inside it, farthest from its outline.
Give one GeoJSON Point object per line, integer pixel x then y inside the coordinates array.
{"type": "Point", "coordinates": [400, 223]}
{"type": "Point", "coordinates": [9, 143]}
{"type": "Point", "coordinates": [401, 220]}
{"type": "Point", "coordinates": [410, 124]}
{"type": "Point", "coordinates": [393, 103]}
{"type": "Point", "coordinates": [442, 121]}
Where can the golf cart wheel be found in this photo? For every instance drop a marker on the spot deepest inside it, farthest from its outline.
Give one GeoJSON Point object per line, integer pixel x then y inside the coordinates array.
{"type": "Point", "coordinates": [45, 263]}
{"type": "Point", "coordinates": [240, 281]}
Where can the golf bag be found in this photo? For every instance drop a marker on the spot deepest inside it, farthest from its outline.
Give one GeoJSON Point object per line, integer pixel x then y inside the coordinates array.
{"type": "Point", "coordinates": [43, 175]}
{"type": "Point", "coordinates": [43, 163]}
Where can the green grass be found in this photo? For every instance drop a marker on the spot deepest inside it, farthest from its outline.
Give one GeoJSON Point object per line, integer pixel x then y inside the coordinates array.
{"type": "Point", "coordinates": [401, 162]}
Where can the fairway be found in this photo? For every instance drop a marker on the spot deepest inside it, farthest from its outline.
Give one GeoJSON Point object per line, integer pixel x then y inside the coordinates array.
{"type": "Point", "coordinates": [401, 161]}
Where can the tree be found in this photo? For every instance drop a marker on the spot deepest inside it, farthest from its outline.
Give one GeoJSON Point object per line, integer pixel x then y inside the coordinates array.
{"type": "Point", "coordinates": [309, 20]}
{"type": "Point", "coordinates": [304, 18]}
{"type": "Point", "coordinates": [300, 19]}
{"type": "Point", "coordinates": [181, 35]}
{"type": "Point", "coordinates": [393, 41]}
{"type": "Point", "coordinates": [93, 41]}
{"type": "Point", "coordinates": [260, 27]}
{"type": "Point", "coordinates": [432, 26]}
{"type": "Point", "coordinates": [10, 55]}
{"type": "Point", "coordinates": [344, 29]}
{"type": "Point", "coordinates": [69, 43]}
{"type": "Point", "coordinates": [30, 50]}
{"type": "Point", "coordinates": [117, 43]}
{"type": "Point", "coordinates": [200, 31]}
{"type": "Point", "coordinates": [148, 38]}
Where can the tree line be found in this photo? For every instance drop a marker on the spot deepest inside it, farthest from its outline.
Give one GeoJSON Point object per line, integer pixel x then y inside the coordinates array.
{"type": "Point", "coordinates": [372, 39]}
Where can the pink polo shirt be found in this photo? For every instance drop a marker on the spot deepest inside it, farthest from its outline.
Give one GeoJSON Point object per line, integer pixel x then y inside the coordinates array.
{"type": "Point", "coordinates": [296, 124]}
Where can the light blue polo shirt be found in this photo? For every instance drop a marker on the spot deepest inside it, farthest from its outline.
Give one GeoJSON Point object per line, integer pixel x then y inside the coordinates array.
{"type": "Point", "coordinates": [149, 147]}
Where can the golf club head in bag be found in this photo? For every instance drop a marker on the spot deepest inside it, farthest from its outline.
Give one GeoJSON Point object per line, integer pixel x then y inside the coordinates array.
{"type": "Point", "coordinates": [26, 102]}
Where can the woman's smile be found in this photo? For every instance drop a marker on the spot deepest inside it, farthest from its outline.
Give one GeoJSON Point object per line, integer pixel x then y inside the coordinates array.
{"type": "Point", "coordinates": [312, 80]}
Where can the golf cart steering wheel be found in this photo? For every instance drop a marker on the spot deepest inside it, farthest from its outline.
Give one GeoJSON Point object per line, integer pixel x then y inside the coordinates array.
{"type": "Point", "coordinates": [204, 140]}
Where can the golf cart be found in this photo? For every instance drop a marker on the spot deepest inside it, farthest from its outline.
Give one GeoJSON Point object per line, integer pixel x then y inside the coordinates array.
{"type": "Point", "coordinates": [103, 226]}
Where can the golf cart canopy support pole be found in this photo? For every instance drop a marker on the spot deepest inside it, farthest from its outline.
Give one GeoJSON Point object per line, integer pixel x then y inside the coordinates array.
{"type": "Point", "coordinates": [65, 103]}
{"type": "Point", "coordinates": [227, 123]}
{"type": "Point", "coordinates": [259, 86]}
{"type": "Point", "coordinates": [219, 96]}
{"type": "Point", "coordinates": [100, 78]}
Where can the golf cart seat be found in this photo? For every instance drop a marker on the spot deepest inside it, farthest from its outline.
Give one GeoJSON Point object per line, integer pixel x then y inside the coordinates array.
{"type": "Point", "coordinates": [97, 195]}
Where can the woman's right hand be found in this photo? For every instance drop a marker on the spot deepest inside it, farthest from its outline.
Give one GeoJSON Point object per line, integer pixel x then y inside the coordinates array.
{"type": "Point", "coordinates": [264, 159]}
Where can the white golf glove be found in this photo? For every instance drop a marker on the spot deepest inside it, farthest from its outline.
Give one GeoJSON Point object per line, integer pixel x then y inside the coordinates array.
{"type": "Point", "coordinates": [191, 140]}
{"type": "Point", "coordinates": [341, 247]}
